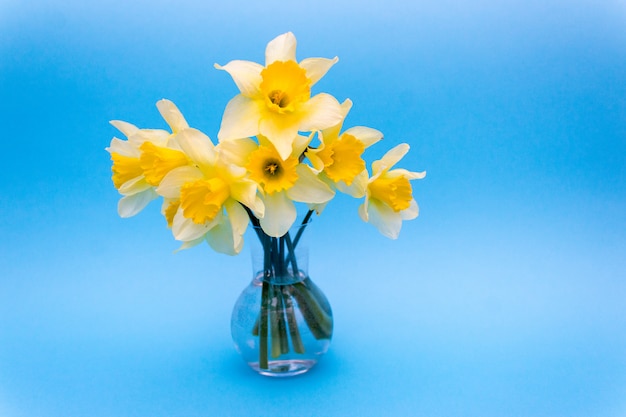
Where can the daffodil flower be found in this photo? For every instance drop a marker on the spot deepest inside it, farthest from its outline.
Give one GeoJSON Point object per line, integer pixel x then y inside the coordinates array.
{"type": "Point", "coordinates": [281, 181]}
{"type": "Point", "coordinates": [140, 162]}
{"type": "Point", "coordinates": [204, 199]}
{"type": "Point", "coordinates": [389, 196]}
{"type": "Point", "coordinates": [275, 100]}
{"type": "Point", "coordinates": [338, 158]}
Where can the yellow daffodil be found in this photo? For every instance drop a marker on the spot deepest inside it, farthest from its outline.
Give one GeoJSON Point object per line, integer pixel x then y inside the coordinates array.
{"type": "Point", "coordinates": [339, 156]}
{"type": "Point", "coordinates": [275, 100]}
{"type": "Point", "coordinates": [204, 199]}
{"type": "Point", "coordinates": [389, 196]}
{"type": "Point", "coordinates": [141, 161]}
{"type": "Point", "coordinates": [281, 181]}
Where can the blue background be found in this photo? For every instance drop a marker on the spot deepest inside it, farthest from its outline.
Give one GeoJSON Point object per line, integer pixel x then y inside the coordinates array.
{"type": "Point", "coordinates": [506, 297]}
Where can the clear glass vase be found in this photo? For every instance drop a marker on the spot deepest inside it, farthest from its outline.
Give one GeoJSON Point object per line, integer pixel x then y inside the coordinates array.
{"type": "Point", "coordinates": [282, 323]}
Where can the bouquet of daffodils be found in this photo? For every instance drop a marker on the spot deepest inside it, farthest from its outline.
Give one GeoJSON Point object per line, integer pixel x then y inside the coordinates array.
{"type": "Point", "coordinates": [278, 145]}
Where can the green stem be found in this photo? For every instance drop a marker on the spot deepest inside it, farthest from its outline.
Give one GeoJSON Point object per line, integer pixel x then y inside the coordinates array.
{"type": "Point", "coordinates": [291, 250]}
{"type": "Point", "coordinates": [305, 221]}
{"type": "Point", "coordinates": [282, 320]}
{"type": "Point", "coordinates": [314, 315]}
{"type": "Point", "coordinates": [274, 322]}
{"type": "Point", "coordinates": [296, 340]}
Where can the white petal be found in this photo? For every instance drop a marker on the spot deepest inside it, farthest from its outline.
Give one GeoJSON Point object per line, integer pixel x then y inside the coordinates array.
{"type": "Point", "coordinates": [197, 146]}
{"type": "Point", "coordinates": [241, 119]}
{"type": "Point", "coordinates": [221, 239]}
{"type": "Point", "coordinates": [237, 215]}
{"type": "Point", "coordinates": [134, 186]}
{"type": "Point", "coordinates": [309, 188]}
{"type": "Point", "coordinates": [245, 191]}
{"type": "Point", "coordinates": [245, 74]}
{"type": "Point", "coordinates": [236, 151]}
{"type": "Point", "coordinates": [358, 187]}
{"type": "Point", "coordinates": [238, 220]}
{"type": "Point", "coordinates": [412, 212]}
{"type": "Point", "coordinates": [401, 172]}
{"type": "Point", "coordinates": [315, 160]}
{"type": "Point", "coordinates": [126, 128]}
{"type": "Point", "coordinates": [280, 214]}
{"type": "Point", "coordinates": [281, 48]}
{"type": "Point", "coordinates": [319, 208]}
{"type": "Point", "coordinates": [124, 148]}
{"type": "Point", "coordinates": [320, 112]}
{"type": "Point", "coordinates": [316, 68]}
{"type": "Point", "coordinates": [186, 230]}
{"type": "Point", "coordinates": [282, 131]}
{"type": "Point", "coordinates": [157, 136]}
{"type": "Point", "coordinates": [387, 221]}
{"type": "Point", "coordinates": [367, 135]}
{"type": "Point", "coordinates": [130, 205]}
{"type": "Point", "coordinates": [390, 158]}
{"type": "Point", "coordinates": [172, 115]}
{"type": "Point", "coordinates": [330, 134]}
{"type": "Point", "coordinates": [169, 186]}
{"type": "Point", "coordinates": [300, 143]}
{"type": "Point", "coordinates": [190, 244]}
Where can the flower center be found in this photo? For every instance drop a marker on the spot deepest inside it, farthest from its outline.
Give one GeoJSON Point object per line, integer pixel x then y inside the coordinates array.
{"type": "Point", "coordinates": [124, 168]}
{"type": "Point", "coordinates": [202, 200]}
{"type": "Point", "coordinates": [396, 192]}
{"type": "Point", "coordinates": [342, 159]}
{"type": "Point", "coordinates": [279, 98]}
{"type": "Point", "coordinates": [157, 161]}
{"type": "Point", "coordinates": [268, 169]}
{"type": "Point", "coordinates": [285, 86]}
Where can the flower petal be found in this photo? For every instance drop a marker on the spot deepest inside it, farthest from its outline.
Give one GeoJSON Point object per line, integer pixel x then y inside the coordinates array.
{"type": "Point", "coordinates": [367, 135]}
{"type": "Point", "coordinates": [241, 119]}
{"type": "Point", "coordinates": [157, 136]}
{"type": "Point", "coordinates": [126, 128]}
{"type": "Point", "coordinates": [186, 230]}
{"type": "Point", "coordinates": [172, 115]}
{"type": "Point", "coordinates": [197, 146]}
{"type": "Point", "coordinates": [281, 131]}
{"type": "Point", "coordinates": [236, 151]}
{"type": "Point", "coordinates": [190, 244]}
{"type": "Point", "coordinates": [316, 68]}
{"type": "Point", "coordinates": [319, 208]}
{"type": "Point", "coordinates": [315, 160]}
{"type": "Point", "coordinates": [238, 220]}
{"type": "Point", "coordinates": [401, 172]}
{"type": "Point", "coordinates": [320, 112]}
{"type": "Point", "coordinates": [169, 187]}
{"type": "Point", "coordinates": [245, 74]}
{"type": "Point", "coordinates": [222, 240]}
{"type": "Point", "coordinates": [412, 212]}
{"type": "Point", "coordinates": [309, 188]}
{"type": "Point", "coordinates": [130, 205]}
{"type": "Point", "coordinates": [358, 187]}
{"type": "Point", "coordinates": [134, 186]}
{"type": "Point", "coordinates": [123, 147]}
{"type": "Point", "coordinates": [330, 134]}
{"type": "Point", "coordinates": [245, 192]}
{"type": "Point", "coordinates": [387, 221]}
{"type": "Point", "coordinates": [280, 214]}
{"type": "Point", "coordinates": [300, 144]}
{"type": "Point", "coordinates": [281, 48]}
{"type": "Point", "coordinates": [390, 158]}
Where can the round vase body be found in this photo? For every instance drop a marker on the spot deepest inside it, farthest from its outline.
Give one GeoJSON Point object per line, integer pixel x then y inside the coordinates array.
{"type": "Point", "coordinates": [282, 323]}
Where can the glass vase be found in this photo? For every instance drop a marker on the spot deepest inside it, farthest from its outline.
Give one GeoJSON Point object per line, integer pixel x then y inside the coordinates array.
{"type": "Point", "coordinates": [282, 323]}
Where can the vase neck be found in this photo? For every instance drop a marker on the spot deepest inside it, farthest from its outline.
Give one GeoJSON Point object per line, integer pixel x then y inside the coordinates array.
{"type": "Point", "coordinates": [280, 260]}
